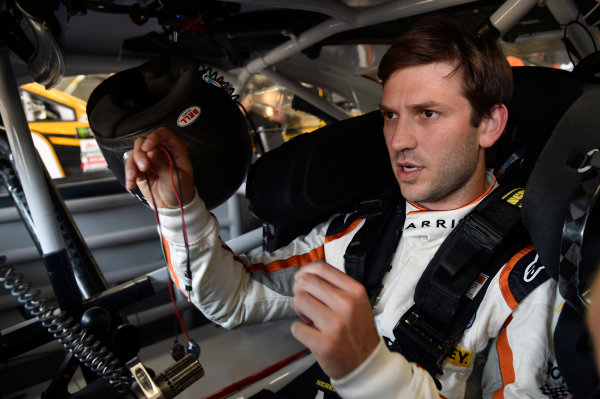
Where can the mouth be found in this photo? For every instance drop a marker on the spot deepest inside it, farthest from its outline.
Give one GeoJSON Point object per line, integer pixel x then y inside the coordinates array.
{"type": "Point", "coordinates": [407, 168]}
{"type": "Point", "coordinates": [408, 171]}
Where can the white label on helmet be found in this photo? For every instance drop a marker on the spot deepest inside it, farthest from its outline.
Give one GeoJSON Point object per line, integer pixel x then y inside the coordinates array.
{"type": "Point", "coordinates": [188, 116]}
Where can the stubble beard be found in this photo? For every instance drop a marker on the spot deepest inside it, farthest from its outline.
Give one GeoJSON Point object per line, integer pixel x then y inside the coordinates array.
{"type": "Point", "coordinates": [456, 171]}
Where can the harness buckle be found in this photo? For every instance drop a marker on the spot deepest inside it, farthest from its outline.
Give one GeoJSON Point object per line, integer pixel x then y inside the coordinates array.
{"type": "Point", "coordinates": [411, 318]}
{"type": "Point", "coordinates": [487, 235]}
{"type": "Point", "coordinates": [421, 343]}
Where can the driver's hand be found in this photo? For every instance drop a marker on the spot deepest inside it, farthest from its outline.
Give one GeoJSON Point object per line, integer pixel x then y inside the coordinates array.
{"type": "Point", "coordinates": [338, 324]}
{"type": "Point", "coordinates": [148, 168]}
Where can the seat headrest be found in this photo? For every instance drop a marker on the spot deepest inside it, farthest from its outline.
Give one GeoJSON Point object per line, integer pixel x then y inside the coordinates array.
{"type": "Point", "coordinates": [176, 92]}
{"type": "Point", "coordinates": [318, 173]}
{"type": "Point", "coordinates": [555, 178]}
{"type": "Point", "coordinates": [541, 96]}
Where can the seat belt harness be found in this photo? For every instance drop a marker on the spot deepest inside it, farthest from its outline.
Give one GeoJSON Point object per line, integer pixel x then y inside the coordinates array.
{"type": "Point", "coordinates": [454, 283]}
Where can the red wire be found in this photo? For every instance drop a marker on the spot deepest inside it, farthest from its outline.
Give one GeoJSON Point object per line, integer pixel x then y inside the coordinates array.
{"type": "Point", "coordinates": [171, 169]}
{"type": "Point", "coordinates": [174, 301]}
{"type": "Point", "coordinates": [171, 293]}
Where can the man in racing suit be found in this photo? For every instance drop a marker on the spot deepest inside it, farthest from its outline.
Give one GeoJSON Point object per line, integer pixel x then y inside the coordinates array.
{"type": "Point", "coordinates": [443, 105]}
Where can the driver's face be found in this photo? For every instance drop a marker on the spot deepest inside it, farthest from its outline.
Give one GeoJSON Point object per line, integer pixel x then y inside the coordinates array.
{"type": "Point", "coordinates": [433, 148]}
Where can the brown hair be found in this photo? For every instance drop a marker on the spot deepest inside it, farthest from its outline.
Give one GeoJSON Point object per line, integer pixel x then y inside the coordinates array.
{"type": "Point", "coordinates": [485, 72]}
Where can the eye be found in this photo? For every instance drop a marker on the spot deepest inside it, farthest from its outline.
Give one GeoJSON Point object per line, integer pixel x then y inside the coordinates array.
{"type": "Point", "coordinates": [430, 114]}
{"type": "Point", "coordinates": [388, 115]}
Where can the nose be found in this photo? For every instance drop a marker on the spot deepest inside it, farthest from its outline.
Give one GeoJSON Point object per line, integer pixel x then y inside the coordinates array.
{"type": "Point", "coordinates": [401, 136]}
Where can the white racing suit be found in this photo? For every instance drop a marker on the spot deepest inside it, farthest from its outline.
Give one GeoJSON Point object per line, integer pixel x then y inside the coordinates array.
{"type": "Point", "coordinates": [505, 351]}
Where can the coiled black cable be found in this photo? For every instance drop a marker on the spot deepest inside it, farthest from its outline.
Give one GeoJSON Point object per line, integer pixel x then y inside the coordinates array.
{"type": "Point", "coordinates": [212, 77]}
{"type": "Point", "coordinates": [63, 328]}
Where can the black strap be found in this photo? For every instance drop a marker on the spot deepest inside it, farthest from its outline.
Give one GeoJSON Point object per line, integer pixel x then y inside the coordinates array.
{"type": "Point", "coordinates": [458, 262]}
{"type": "Point", "coordinates": [453, 284]}
{"type": "Point", "coordinates": [369, 254]}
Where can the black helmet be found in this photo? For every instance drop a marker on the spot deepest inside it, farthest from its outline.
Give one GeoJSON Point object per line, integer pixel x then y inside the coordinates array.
{"type": "Point", "coordinates": [176, 92]}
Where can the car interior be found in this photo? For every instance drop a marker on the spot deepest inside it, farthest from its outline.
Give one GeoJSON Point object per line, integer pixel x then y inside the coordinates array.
{"type": "Point", "coordinates": [550, 145]}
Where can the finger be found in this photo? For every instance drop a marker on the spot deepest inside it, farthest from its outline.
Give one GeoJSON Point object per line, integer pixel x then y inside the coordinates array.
{"type": "Point", "coordinates": [315, 286]}
{"type": "Point", "coordinates": [329, 273]}
{"type": "Point", "coordinates": [150, 157]}
{"type": "Point", "coordinates": [167, 138]}
{"type": "Point", "coordinates": [311, 309]}
{"type": "Point", "coordinates": [305, 318]}
{"type": "Point", "coordinates": [147, 150]}
{"type": "Point", "coordinates": [175, 149]}
{"type": "Point", "coordinates": [330, 286]}
{"type": "Point", "coordinates": [322, 346]}
{"type": "Point", "coordinates": [306, 335]}
{"type": "Point", "coordinates": [139, 156]}
{"type": "Point", "coordinates": [132, 171]}
{"type": "Point", "coordinates": [154, 156]}
{"type": "Point", "coordinates": [161, 136]}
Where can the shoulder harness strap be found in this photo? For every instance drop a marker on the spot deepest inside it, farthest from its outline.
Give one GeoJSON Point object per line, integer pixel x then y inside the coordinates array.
{"type": "Point", "coordinates": [455, 281]}
{"type": "Point", "coordinates": [369, 254]}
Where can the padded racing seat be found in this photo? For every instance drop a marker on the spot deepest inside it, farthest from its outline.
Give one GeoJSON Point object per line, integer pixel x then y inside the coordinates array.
{"type": "Point", "coordinates": [547, 208]}
{"type": "Point", "coordinates": [302, 182]}
{"type": "Point", "coordinates": [541, 97]}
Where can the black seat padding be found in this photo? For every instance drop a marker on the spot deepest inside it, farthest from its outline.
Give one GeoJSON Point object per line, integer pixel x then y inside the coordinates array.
{"type": "Point", "coordinates": [306, 179]}
{"type": "Point", "coordinates": [549, 190]}
{"type": "Point", "coordinates": [541, 97]}
{"type": "Point", "coordinates": [313, 174]}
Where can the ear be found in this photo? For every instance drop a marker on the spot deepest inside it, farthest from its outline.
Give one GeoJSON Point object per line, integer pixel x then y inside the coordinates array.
{"type": "Point", "coordinates": [492, 126]}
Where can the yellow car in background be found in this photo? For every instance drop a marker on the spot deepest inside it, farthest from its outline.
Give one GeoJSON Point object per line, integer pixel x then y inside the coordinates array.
{"type": "Point", "coordinates": [63, 138]}
{"type": "Point", "coordinates": [59, 125]}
